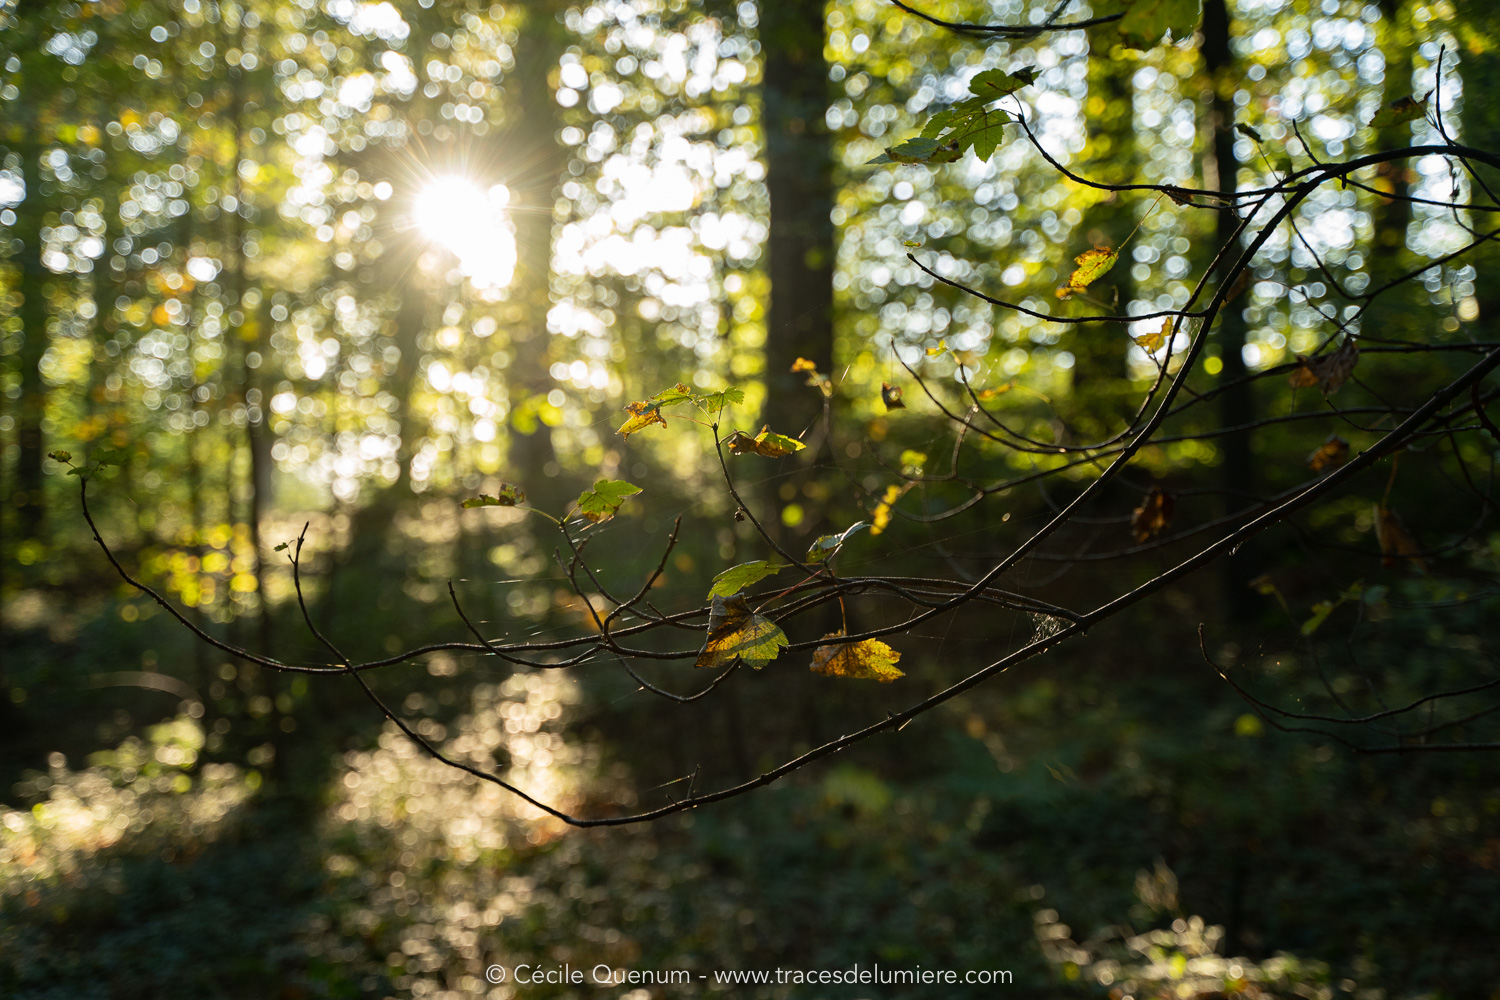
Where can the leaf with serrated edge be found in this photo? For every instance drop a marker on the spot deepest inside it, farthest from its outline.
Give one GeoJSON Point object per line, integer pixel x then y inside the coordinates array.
{"type": "Point", "coordinates": [715, 401]}
{"type": "Point", "coordinates": [748, 574]}
{"type": "Point", "coordinates": [767, 443]}
{"type": "Point", "coordinates": [642, 415]}
{"type": "Point", "coordinates": [605, 498]}
{"type": "Point", "coordinates": [994, 83]}
{"type": "Point", "coordinates": [735, 633]}
{"type": "Point", "coordinates": [679, 393]}
{"type": "Point", "coordinates": [1092, 265]}
{"type": "Point", "coordinates": [869, 660]}
{"type": "Point", "coordinates": [825, 545]}
{"type": "Point", "coordinates": [508, 496]}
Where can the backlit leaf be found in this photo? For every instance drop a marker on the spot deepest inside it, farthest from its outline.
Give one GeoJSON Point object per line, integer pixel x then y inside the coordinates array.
{"type": "Point", "coordinates": [714, 402]}
{"type": "Point", "coordinates": [1154, 341]}
{"type": "Point", "coordinates": [508, 496]}
{"type": "Point", "coordinates": [890, 395]}
{"type": "Point", "coordinates": [605, 498]}
{"type": "Point", "coordinates": [868, 660]}
{"type": "Point", "coordinates": [912, 462]}
{"type": "Point", "coordinates": [827, 545]}
{"type": "Point", "coordinates": [1152, 516]}
{"type": "Point", "coordinates": [1321, 611]}
{"type": "Point", "coordinates": [60, 456]}
{"type": "Point", "coordinates": [942, 347]}
{"type": "Point", "coordinates": [1092, 265]}
{"type": "Point", "coordinates": [1395, 541]}
{"type": "Point", "coordinates": [1146, 21]}
{"type": "Point", "coordinates": [1330, 454]}
{"type": "Point", "coordinates": [881, 518]}
{"type": "Point", "coordinates": [642, 415]}
{"type": "Point", "coordinates": [993, 83]}
{"type": "Point", "coordinates": [748, 574]}
{"type": "Point", "coordinates": [767, 443]}
{"type": "Point", "coordinates": [913, 244]}
{"type": "Point", "coordinates": [677, 394]}
{"type": "Point", "coordinates": [1327, 372]}
{"type": "Point", "coordinates": [1407, 109]}
{"type": "Point", "coordinates": [1247, 132]}
{"type": "Point", "coordinates": [737, 634]}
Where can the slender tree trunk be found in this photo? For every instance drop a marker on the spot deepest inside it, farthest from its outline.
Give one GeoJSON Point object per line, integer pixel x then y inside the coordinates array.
{"type": "Point", "coordinates": [799, 179]}
{"type": "Point", "coordinates": [1236, 404]}
{"type": "Point", "coordinates": [533, 145]}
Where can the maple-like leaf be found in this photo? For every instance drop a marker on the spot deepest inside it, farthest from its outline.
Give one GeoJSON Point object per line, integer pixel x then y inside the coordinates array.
{"type": "Point", "coordinates": [642, 415]}
{"type": "Point", "coordinates": [767, 443]}
{"type": "Point", "coordinates": [826, 545]}
{"type": "Point", "coordinates": [1329, 455]}
{"type": "Point", "coordinates": [601, 502]}
{"type": "Point", "coordinates": [868, 660]}
{"type": "Point", "coordinates": [890, 395]}
{"type": "Point", "coordinates": [1092, 265]}
{"type": "Point", "coordinates": [1152, 516]}
{"type": "Point", "coordinates": [1146, 21]}
{"type": "Point", "coordinates": [1155, 340]}
{"type": "Point", "coordinates": [508, 496]}
{"type": "Point", "coordinates": [1399, 112]}
{"type": "Point", "coordinates": [737, 634]}
{"type": "Point", "coordinates": [1328, 372]}
{"type": "Point", "coordinates": [747, 574]}
{"type": "Point", "coordinates": [993, 84]}
{"type": "Point", "coordinates": [1395, 541]}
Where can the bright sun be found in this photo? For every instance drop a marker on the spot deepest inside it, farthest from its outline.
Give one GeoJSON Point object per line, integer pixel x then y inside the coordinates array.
{"type": "Point", "coordinates": [472, 224]}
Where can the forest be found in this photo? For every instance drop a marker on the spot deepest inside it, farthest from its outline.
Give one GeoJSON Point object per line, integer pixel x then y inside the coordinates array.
{"type": "Point", "coordinates": [765, 498]}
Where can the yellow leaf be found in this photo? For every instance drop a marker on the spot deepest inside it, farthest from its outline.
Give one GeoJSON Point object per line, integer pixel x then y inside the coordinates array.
{"type": "Point", "coordinates": [803, 365]}
{"type": "Point", "coordinates": [642, 415]}
{"type": "Point", "coordinates": [767, 443]}
{"type": "Point", "coordinates": [882, 515]}
{"type": "Point", "coordinates": [1092, 264]}
{"type": "Point", "coordinates": [867, 660]}
{"type": "Point", "coordinates": [933, 352]}
{"type": "Point", "coordinates": [737, 634]}
{"type": "Point", "coordinates": [1152, 342]}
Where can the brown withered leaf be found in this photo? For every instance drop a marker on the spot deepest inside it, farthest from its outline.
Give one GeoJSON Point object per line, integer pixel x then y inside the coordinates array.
{"type": "Point", "coordinates": [1330, 454]}
{"type": "Point", "coordinates": [1395, 541]}
{"type": "Point", "coordinates": [890, 395]}
{"type": "Point", "coordinates": [1328, 372]}
{"type": "Point", "coordinates": [767, 443]}
{"type": "Point", "coordinates": [735, 633]}
{"type": "Point", "coordinates": [868, 660]}
{"type": "Point", "coordinates": [1152, 516]}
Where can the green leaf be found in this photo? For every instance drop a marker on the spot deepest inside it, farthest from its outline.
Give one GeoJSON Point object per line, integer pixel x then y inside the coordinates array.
{"type": "Point", "coordinates": [993, 84]}
{"type": "Point", "coordinates": [1321, 611]}
{"type": "Point", "coordinates": [508, 496]}
{"type": "Point", "coordinates": [679, 393]}
{"type": "Point", "coordinates": [1248, 132]}
{"type": "Point", "coordinates": [282, 547]}
{"type": "Point", "coordinates": [716, 401]}
{"type": "Point", "coordinates": [737, 634]}
{"type": "Point", "coordinates": [1407, 109]}
{"type": "Point", "coordinates": [601, 502]}
{"type": "Point", "coordinates": [737, 578]}
{"type": "Point", "coordinates": [60, 456]}
{"type": "Point", "coordinates": [825, 546]}
{"type": "Point", "coordinates": [1146, 21]}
